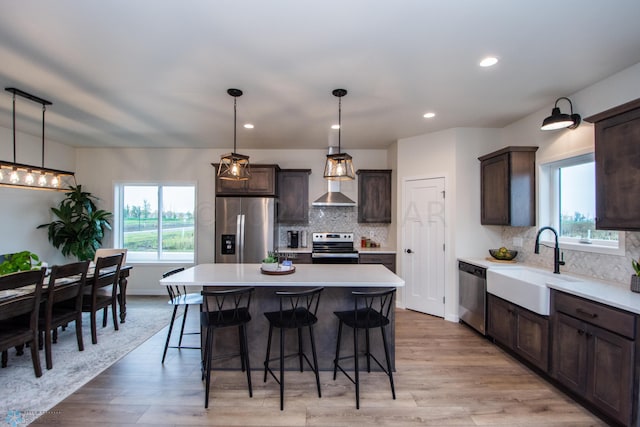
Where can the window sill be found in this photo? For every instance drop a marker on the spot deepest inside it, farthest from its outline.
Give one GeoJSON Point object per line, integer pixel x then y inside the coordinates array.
{"type": "Point", "coordinates": [593, 248]}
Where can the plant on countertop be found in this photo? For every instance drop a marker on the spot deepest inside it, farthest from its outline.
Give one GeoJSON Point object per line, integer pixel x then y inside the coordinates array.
{"type": "Point", "coordinates": [20, 261]}
{"type": "Point", "coordinates": [271, 258]}
{"type": "Point", "coordinates": [80, 227]}
{"type": "Point", "coordinates": [636, 266]}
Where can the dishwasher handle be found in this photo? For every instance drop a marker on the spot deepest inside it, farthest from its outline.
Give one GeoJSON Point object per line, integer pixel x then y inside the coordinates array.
{"type": "Point", "coordinates": [472, 269]}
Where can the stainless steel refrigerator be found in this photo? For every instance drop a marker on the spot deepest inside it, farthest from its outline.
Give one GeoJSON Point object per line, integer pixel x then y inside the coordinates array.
{"type": "Point", "coordinates": [245, 229]}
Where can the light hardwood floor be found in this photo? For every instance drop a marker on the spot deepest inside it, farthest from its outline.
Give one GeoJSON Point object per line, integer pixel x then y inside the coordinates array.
{"type": "Point", "coordinates": [446, 376]}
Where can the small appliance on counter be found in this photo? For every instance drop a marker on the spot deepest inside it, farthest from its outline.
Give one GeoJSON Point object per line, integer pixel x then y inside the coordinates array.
{"type": "Point", "coordinates": [292, 239]}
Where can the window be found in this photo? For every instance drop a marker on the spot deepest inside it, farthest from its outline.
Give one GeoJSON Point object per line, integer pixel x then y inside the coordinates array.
{"type": "Point", "coordinates": [567, 201]}
{"type": "Point", "coordinates": [156, 223]}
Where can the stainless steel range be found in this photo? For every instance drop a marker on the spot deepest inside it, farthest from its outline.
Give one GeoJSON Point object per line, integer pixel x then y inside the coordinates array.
{"type": "Point", "coordinates": [333, 248]}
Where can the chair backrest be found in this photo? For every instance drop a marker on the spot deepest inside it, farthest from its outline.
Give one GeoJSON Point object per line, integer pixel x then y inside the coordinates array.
{"type": "Point", "coordinates": [293, 304]}
{"type": "Point", "coordinates": [106, 273]}
{"type": "Point", "coordinates": [370, 304]}
{"type": "Point", "coordinates": [175, 291]}
{"type": "Point", "coordinates": [105, 252]}
{"type": "Point", "coordinates": [226, 306]}
{"type": "Point", "coordinates": [29, 285]}
{"type": "Point", "coordinates": [66, 282]}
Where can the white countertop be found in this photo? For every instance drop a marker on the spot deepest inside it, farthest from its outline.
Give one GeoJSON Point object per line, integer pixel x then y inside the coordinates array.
{"type": "Point", "coordinates": [382, 250]}
{"type": "Point", "coordinates": [328, 275]}
{"type": "Point", "coordinates": [585, 287]}
{"type": "Point", "coordinates": [285, 250]}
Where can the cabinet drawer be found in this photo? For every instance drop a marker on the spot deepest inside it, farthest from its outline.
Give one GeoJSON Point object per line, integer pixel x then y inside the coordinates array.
{"type": "Point", "coordinates": [612, 319]}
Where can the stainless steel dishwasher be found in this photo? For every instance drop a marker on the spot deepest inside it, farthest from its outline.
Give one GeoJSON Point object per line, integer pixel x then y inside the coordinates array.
{"type": "Point", "coordinates": [472, 295]}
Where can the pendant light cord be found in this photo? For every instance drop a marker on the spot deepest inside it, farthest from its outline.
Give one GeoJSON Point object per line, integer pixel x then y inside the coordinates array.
{"type": "Point", "coordinates": [235, 126]}
{"type": "Point", "coordinates": [339, 122]}
{"type": "Point", "coordinates": [43, 110]}
{"type": "Point", "coordinates": [14, 128]}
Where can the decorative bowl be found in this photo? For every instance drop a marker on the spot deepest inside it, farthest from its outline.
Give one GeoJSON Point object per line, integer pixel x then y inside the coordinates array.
{"type": "Point", "coordinates": [507, 255]}
{"type": "Point", "coordinates": [269, 266]}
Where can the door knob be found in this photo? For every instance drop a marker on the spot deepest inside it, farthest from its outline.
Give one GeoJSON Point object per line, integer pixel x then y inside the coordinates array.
{"type": "Point", "coordinates": [409, 251]}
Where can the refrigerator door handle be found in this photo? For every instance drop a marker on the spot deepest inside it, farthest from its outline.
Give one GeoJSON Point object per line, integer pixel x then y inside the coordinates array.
{"type": "Point", "coordinates": [240, 233]}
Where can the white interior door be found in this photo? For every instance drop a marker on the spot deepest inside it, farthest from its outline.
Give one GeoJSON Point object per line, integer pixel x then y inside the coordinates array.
{"type": "Point", "coordinates": [423, 245]}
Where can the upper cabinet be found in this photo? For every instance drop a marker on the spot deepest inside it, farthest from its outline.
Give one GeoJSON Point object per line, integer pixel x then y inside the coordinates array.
{"type": "Point", "coordinates": [374, 195]}
{"type": "Point", "coordinates": [262, 182]}
{"type": "Point", "coordinates": [507, 181]}
{"type": "Point", "coordinates": [617, 154]}
{"type": "Point", "coordinates": [293, 195]}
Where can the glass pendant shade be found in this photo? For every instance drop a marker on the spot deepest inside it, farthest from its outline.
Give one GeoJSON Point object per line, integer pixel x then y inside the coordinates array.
{"type": "Point", "coordinates": [234, 166]}
{"type": "Point", "coordinates": [339, 167]}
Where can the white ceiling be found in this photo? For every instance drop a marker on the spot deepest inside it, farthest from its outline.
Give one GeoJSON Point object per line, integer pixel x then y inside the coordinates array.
{"type": "Point", "coordinates": [155, 73]}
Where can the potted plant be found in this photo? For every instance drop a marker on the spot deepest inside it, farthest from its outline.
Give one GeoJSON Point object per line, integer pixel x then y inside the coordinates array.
{"type": "Point", "coordinates": [635, 278]}
{"type": "Point", "coordinates": [270, 263]}
{"type": "Point", "coordinates": [20, 261]}
{"type": "Point", "coordinates": [80, 226]}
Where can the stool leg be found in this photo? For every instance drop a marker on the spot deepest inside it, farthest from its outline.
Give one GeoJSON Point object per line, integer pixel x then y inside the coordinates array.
{"type": "Point", "coordinates": [355, 362]}
{"type": "Point", "coordinates": [184, 319]}
{"type": "Point", "coordinates": [166, 345]}
{"type": "Point", "coordinates": [315, 359]}
{"type": "Point", "coordinates": [242, 347]}
{"type": "Point", "coordinates": [386, 354]}
{"type": "Point", "coordinates": [245, 357]}
{"type": "Point", "coordinates": [368, 351]}
{"type": "Point", "coordinates": [207, 364]}
{"type": "Point", "coordinates": [335, 362]}
{"type": "Point", "coordinates": [281, 369]}
{"type": "Point", "coordinates": [266, 360]}
{"type": "Point", "coordinates": [300, 347]}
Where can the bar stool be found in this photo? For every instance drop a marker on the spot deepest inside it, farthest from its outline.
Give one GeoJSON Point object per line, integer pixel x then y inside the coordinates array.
{"type": "Point", "coordinates": [223, 309]}
{"type": "Point", "coordinates": [297, 310]}
{"type": "Point", "coordinates": [178, 297]}
{"type": "Point", "coordinates": [371, 310]}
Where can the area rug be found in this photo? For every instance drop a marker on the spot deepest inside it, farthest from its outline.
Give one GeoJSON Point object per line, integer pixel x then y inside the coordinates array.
{"type": "Point", "coordinates": [25, 397]}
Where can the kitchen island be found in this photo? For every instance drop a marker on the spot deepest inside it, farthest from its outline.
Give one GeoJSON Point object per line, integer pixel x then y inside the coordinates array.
{"type": "Point", "coordinates": [339, 280]}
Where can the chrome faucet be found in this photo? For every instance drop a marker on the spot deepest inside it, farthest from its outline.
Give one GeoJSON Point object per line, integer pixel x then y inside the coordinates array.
{"type": "Point", "coordinates": [557, 262]}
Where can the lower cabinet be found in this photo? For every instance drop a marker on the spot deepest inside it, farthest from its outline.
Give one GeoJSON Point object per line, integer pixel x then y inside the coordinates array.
{"type": "Point", "coordinates": [594, 354]}
{"type": "Point", "coordinates": [522, 331]}
{"type": "Point", "coordinates": [388, 260]}
{"type": "Point", "coordinates": [296, 257]}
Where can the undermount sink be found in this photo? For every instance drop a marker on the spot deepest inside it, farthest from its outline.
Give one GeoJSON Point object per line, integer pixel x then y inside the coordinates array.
{"type": "Point", "coordinates": [524, 286]}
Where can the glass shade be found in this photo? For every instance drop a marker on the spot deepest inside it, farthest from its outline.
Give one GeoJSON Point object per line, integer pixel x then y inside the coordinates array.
{"type": "Point", "coordinates": [234, 166]}
{"type": "Point", "coordinates": [339, 167]}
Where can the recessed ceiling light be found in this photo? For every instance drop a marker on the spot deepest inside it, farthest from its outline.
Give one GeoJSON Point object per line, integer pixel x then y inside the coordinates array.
{"type": "Point", "coordinates": [335, 126]}
{"type": "Point", "coordinates": [248, 126]}
{"type": "Point", "coordinates": [489, 61]}
{"type": "Point", "coordinates": [429, 115]}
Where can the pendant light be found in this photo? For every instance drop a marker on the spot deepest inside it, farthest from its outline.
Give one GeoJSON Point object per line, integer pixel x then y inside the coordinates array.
{"type": "Point", "coordinates": [559, 120]}
{"type": "Point", "coordinates": [234, 166]}
{"type": "Point", "coordinates": [339, 167]}
{"type": "Point", "coordinates": [23, 175]}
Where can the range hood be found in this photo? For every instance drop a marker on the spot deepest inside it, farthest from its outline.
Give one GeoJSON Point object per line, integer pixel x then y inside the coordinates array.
{"type": "Point", "coordinates": [333, 196]}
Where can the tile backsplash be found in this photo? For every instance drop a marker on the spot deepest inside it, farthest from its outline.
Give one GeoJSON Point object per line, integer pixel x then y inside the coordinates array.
{"type": "Point", "coordinates": [333, 218]}
{"type": "Point", "coordinates": [615, 269]}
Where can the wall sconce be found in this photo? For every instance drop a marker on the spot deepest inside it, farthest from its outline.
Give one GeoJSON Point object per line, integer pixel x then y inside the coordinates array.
{"type": "Point", "coordinates": [13, 174]}
{"type": "Point", "coordinates": [234, 166]}
{"type": "Point", "coordinates": [339, 166]}
{"type": "Point", "coordinates": [559, 120]}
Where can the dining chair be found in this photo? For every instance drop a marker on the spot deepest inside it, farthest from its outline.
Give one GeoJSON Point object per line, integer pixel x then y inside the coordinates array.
{"type": "Point", "coordinates": [64, 295]}
{"type": "Point", "coordinates": [223, 309]}
{"type": "Point", "coordinates": [19, 312]}
{"type": "Point", "coordinates": [101, 291]}
{"type": "Point", "coordinates": [297, 311]}
{"type": "Point", "coordinates": [178, 297]}
{"type": "Point", "coordinates": [371, 310]}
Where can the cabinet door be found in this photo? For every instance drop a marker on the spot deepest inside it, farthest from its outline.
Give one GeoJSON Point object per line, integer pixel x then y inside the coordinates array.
{"type": "Point", "coordinates": [610, 383]}
{"type": "Point", "coordinates": [617, 155]}
{"type": "Point", "coordinates": [262, 182]}
{"type": "Point", "coordinates": [374, 196]}
{"type": "Point", "coordinates": [293, 196]}
{"type": "Point", "coordinates": [388, 260]}
{"type": "Point", "coordinates": [569, 363]}
{"type": "Point", "coordinates": [500, 320]}
{"type": "Point", "coordinates": [532, 338]}
{"type": "Point", "coordinates": [494, 208]}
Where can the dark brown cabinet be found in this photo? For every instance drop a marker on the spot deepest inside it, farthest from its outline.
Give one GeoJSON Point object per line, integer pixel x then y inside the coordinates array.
{"type": "Point", "coordinates": [617, 156]}
{"type": "Point", "coordinates": [374, 196]}
{"type": "Point", "coordinates": [507, 187]}
{"type": "Point", "coordinates": [594, 354]}
{"type": "Point", "coordinates": [293, 195]}
{"type": "Point", "coordinates": [296, 257]}
{"type": "Point", "coordinates": [262, 182]}
{"type": "Point", "coordinates": [522, 331]}
{"type": "Point", "coordinates": [388, 260]}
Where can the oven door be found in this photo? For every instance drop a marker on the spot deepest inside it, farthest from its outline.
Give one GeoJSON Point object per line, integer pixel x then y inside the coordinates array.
{"type": "Point", "coordinates": [334, 258]}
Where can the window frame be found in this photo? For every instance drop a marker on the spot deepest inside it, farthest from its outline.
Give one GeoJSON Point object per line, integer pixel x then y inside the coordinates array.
{"type": "Point", "coordinates": [118, 223]}
{"type": "Point", "coordinates": [549, 206]}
